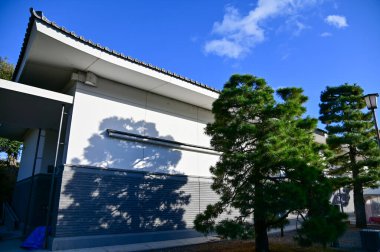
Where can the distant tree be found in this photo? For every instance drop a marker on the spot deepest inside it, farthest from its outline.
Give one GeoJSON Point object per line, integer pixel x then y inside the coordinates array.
{"type": "Point", "coordinates": [11, 148]}
{"type": "Point", "coordinates": [270, 165]}
{"type": "Point", "coordinates": [351, 135]}
{"type": "Point", "coordinates": [6, 69]}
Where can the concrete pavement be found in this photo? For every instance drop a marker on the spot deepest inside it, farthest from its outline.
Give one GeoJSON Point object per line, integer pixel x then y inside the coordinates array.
{"type": "Point", "coordinates": [14, 245]}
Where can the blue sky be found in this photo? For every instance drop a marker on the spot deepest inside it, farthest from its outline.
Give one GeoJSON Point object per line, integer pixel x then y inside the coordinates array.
{"type": "Point", "coordinates": [303, 43]}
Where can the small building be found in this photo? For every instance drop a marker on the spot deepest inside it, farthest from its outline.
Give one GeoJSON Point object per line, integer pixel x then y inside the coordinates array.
{"type": "Point", "coordinates": [114, 148]}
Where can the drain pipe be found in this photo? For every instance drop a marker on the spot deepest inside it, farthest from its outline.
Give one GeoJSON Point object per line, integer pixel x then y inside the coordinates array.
{"type": "Point", "coordinates": [51, 195]}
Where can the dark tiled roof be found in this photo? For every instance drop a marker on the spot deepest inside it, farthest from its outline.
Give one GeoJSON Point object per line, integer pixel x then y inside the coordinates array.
{"type": "Point", "coordinates": [320, 131]}
{"type": "Point", "coordinates": [39, 16]}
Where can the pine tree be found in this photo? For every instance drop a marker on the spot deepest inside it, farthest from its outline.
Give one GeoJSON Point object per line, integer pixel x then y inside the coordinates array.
{"type": "Point", "coordinates": [351, 136]}
{"type": "Point", "coordinates": [270, 165]}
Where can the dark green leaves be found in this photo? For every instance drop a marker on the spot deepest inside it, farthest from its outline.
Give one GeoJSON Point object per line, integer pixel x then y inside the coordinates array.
{"type": "Point", "coordinates": [269, 164]}
{"type": "Point", "coordinates": [351, 136]}
{"type": "Point", "coordinates": [351, 131]}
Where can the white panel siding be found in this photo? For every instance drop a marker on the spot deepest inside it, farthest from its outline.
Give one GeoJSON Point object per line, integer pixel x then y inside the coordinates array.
{"type": "Point", "coordinates": [173, 107]}
{"type": "Point", "coordinates": [187, 165]}
{"type": "Point", "coordinates": [92, 115]}
{"type": "Point", "coordinates": [28, 153]}
{"type": "Point", "coordinates": [205, 161]}
{"type": "Point", "coordinates": [119, 107]}
{"type": "Point", "coordinates": [49, 150]}
{"type": "Point", "coordinates": [114, 91]}
{"type": "Point", "coordinates": [45, 156]}
{"type": "Point", "coordinates": [204, 117]}
{"type": "Point", "coordinates": [172, 127]}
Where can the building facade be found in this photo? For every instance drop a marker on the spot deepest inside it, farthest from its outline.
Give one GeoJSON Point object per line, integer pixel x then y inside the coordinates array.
{"type": "Point", "coordinates": [114, 148]}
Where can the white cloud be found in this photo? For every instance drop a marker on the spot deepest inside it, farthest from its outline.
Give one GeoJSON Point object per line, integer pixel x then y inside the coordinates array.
{"type": "Point", "coordinates": [239, 34]}
{"type": "Point", "coordinates": [326, 34]}
{"type": "Point", "coordinates": [194, 39]}
{"type": "Point", "coordinates": [224, 47]}
{"type": "Point", "coordinates": [285, 56]}
{"type": "Point", "coordinates": [300, 27]}
{"type": "Point", "coordinates": [294, 26]}
{"type": "Point", "coordinates": [337, 21]}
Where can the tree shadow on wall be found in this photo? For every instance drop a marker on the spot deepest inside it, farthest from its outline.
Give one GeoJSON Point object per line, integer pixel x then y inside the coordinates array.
{"type": "Point", "coordinates": [141, 198]}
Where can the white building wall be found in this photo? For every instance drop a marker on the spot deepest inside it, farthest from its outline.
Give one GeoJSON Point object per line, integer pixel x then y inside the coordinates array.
{"type": "Point", "coordinates": [119, 107]}
{"type": "Point", "coordinates": [28, 153]}
{"type": "Point", "coordinates": [50, 145]}
{"type": "Point", "coordinates": [45, 155]}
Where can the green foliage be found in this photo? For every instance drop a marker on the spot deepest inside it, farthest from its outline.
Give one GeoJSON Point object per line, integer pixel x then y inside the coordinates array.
{"type": "Point", "coordinates": [324, 222]}
{"type": "Point", "coordinates": [11, 148]}
{"type": "Point", "coordinates": [322, 227]}
{"type": "Point", "coordinates": [205, 222]}
{"type": "Point", "coordinates": [351, 136]}
{"type": "Point", "coordinates": [231, 229]}
{"type": "Point", "coordinates": [270, 163]}
{"type": "Point", "coordinates": [6, 69]}
{"type": "Point", "coordinates": [279, 222]}
{"type": "Point", "coordinates": [235, 230]}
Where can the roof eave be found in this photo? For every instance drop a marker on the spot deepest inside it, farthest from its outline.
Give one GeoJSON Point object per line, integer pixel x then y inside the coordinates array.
{"type": "Point", "coordinates": [38, 15]}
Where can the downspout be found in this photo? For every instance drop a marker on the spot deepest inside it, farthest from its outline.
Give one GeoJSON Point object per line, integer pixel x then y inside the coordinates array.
{"type": "Point", "coordinates": [32, 183]}
{"type": "Point", "coordinates": [51, 195]}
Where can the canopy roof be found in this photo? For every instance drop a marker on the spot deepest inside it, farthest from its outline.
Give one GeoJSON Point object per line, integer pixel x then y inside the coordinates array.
{"type": "Point", "coordinates": [371, 192]}
{"type": "Point", "coordinates": [24, 107]}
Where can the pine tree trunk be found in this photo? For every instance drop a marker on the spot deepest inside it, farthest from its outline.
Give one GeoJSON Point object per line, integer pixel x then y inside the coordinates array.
{"type": "Point", "coordinates": [359, 204]}
{"type": "Point", "coordinates": [261, 236]}
{"type": "Point", "coordinates": [360, 216]}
